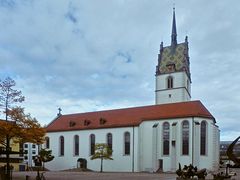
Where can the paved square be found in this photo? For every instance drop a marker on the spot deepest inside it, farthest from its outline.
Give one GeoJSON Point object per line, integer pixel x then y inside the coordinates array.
{"type": "Point", "coordinates": [68, 175]}
{"type": "Point", "coordinates": [62, 175]}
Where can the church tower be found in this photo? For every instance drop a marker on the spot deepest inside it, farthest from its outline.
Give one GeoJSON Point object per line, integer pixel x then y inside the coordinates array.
{"type": "Point", "coordinates": [173, 78]}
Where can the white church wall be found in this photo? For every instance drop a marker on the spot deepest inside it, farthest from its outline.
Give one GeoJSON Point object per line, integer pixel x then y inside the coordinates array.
{"type": "Point", "coordinates": [196, 142]}
{"type": "Point", "coordinates": [170, 162]}
{"type": "Point", "coordinates": [180, 91]}
{"type": "Point", "coordinates": [121, 162]}
{"type": "Point", "coordinates": [166, 158]}
{"type": "Point", "coordinates": [216, 144]}
{"type": "Point", "coordinates": [140, 147]}
{"type": "Point", "coordinates": [151, 146]}
{"type": "Point", "coordinates": [211, 157]}
{"type": "Point", "coordinates": [135, 165]}
{"type": "Point", "coordinates": [148, 147]}
{"type": "Point", "coordinates": [157, 145]}
{"type": "Point", "coordinates": [180, 158]}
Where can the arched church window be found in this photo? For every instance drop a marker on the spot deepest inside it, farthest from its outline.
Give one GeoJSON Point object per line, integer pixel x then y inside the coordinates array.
{"type": "Point", "coordinates": [109, 140]}
{"type": "Point", "coordinates": [185, 138]}
{"type": "Point", "coordinates": [169, 82]}
{"type": "Point", "coordinates": [203, 144]}
{"type": "Point", "coordinates": [126, 143]}
{"type": "Point", "coordinates": [166, 137]}
{"type": "Point", "coordinates": [76, 145]}
{"type": "Point", "coordinates": [61, 146]}
{"type": "Point", "coordinates": [47, 142]}
{"type": "Point", "coordinates": [92, 144]}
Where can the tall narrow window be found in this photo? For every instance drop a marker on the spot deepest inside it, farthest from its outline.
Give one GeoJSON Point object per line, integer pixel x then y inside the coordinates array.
{"type": "Point", "coordinates": [109, 140]}
{"type": "Point", "coordinates": [166, 138]}
{"type": "Point", "coordinates": [203, 138]}
{"type": "Point", "coordinates": [47, 142]}
{"type": "Point", "coordinates": [92, 144]}
{"type": "Point", "coordinates": [185, 138]}
{"type": "Point", "coordinates": [61, 144]}
{"type": "Point", "coordinates": [170, 82]}
{"type": "Point", "coordinates": [127, 143]}
{"type": "Point", "coordinates": [76, 145]}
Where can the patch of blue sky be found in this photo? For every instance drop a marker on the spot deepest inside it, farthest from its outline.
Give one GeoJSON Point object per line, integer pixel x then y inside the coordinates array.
{"type": "Point", "coordinates": [124, 76]}
{"type": "Point", "coordinates": [95, 76]}
{"type": "Point", "coordinates": [78, 32]}
{"type": "Point", "coordinates": [10, 47]}
{"type": "Point", "coordinates": [7, 72]}
{"type": "Point", "coordinates": [8, 3]}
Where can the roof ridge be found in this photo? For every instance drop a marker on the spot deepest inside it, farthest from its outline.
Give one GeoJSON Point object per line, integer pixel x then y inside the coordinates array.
{"type": "Point", "coordinates": [136, 107]}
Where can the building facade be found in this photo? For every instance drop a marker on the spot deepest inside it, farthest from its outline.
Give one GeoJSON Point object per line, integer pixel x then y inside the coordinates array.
{"type": "Point", "coordinates": [15, 157]}
{"type": "Point", "coordinates": [149, 138]}
{"type": "Point", "coordinates": [30, 152]}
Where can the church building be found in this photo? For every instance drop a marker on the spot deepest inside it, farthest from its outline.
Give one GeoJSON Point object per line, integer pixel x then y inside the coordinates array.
{"type": "Point", "coordinates": [148, 138]}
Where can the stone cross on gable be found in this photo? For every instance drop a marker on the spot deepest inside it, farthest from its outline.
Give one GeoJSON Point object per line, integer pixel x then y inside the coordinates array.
{"type": "Point", "coordinates": [59, 111]}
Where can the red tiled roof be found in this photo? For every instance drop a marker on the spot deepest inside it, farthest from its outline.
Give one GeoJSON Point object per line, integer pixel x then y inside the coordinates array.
{"type": "Point", "coordinates": [128, 117]}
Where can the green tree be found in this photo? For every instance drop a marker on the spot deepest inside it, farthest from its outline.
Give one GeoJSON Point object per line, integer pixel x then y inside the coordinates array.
{"type": "Point", "coordinates": [45, 156]}
{"type": "Point", "coordinates": [17, 126]}
{"type": "Point", "coordinates": [102, 152]}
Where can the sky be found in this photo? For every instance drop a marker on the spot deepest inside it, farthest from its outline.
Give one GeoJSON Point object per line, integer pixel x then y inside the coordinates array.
{"type": "Point", "coordinates": [95, 55]}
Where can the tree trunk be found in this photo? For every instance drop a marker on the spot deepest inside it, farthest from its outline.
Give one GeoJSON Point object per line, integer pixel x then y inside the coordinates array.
{"type": "Point", "coordinates": [101, 170]}
{"type": "Point", "coordinates": [7, 146]}
{"type": "Point", "coordinates": [8, 157]}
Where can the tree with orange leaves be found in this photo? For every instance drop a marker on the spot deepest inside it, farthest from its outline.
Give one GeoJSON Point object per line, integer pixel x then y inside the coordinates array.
{"type": "Point", "coordinates": [21, 127]}
{"type": "Point", "coordinates": [17, 125]}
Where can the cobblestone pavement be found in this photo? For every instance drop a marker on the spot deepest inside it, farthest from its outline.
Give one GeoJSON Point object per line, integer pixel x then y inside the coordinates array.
{"type": "Point", "coordinates": [60, 175]}
{"type": "Point", "coordinates": [67, 175]}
